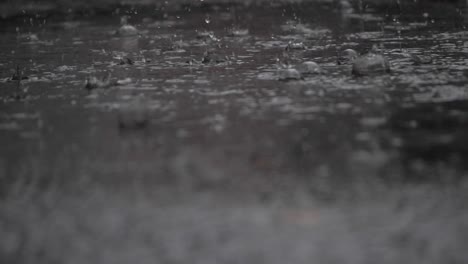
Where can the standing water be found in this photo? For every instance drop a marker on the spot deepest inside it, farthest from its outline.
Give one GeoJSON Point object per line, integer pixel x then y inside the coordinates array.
{"type": "Point", "coordinates": [318, 132]}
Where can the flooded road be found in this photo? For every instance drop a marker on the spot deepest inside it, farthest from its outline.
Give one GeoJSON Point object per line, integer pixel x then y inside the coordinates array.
{"type": "Point", "coordinates": [202, 139]}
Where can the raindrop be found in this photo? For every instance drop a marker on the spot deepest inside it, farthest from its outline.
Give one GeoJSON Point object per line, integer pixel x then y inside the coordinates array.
{"type": "Point", "coordinates": [207, 19]}
{"type": "Point", "coordinates": [289, 74]}
{"type": "Point", "coordinates": [370, 63]}
{"type": "Point", "coordinates": [308, 67]}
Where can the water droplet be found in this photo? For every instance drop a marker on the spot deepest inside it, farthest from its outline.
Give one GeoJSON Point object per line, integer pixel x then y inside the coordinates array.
{"type": "Point", "coordinates": [207, 19]}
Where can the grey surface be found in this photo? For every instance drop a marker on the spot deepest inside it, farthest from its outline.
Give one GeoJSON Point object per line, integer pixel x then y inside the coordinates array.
{"type": "Point", "coordinates": [233, 165]}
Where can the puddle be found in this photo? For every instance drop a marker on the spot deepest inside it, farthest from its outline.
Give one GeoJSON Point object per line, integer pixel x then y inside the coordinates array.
{"type": "Point", "coordinates": [213, 76]}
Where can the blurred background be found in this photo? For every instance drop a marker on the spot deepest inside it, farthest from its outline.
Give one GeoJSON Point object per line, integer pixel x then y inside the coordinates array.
{"type": "Point", "coordinates": [15, 7]}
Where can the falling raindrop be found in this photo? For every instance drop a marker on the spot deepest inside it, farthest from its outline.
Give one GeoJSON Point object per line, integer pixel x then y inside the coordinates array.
{"type": "Point", "coordinates": [207, 19]}
{"type": "Point", "coordinates": [426, 18]}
